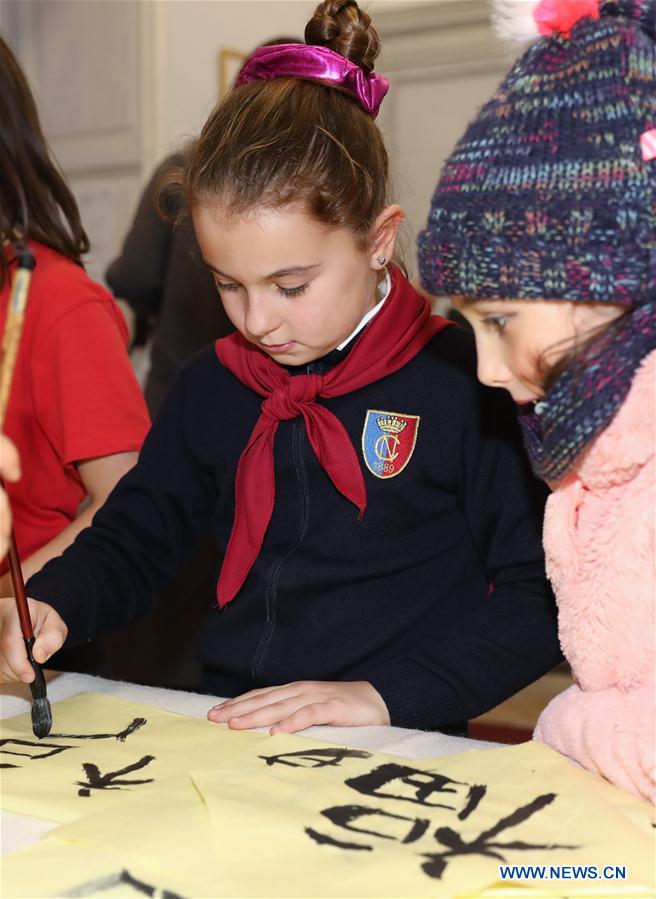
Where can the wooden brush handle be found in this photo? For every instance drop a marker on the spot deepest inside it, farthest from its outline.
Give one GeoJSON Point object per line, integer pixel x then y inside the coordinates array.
{"type": "Point", "coordinates": [19, 589]}
{"type": "Point", "coordinates": [12, 335]}
{"type": "Point", "coordinates": [10, 343]}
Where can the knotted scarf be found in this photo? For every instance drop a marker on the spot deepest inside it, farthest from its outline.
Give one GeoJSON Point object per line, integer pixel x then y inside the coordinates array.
{"type": "Point", "coordinates": [398, 332]}
{"type": "Point", "coordinates": [586, 397]}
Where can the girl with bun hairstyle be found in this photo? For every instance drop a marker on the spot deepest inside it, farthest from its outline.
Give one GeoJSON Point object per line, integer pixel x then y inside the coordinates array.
{"type": "Point", "coordinates": [376, 525]}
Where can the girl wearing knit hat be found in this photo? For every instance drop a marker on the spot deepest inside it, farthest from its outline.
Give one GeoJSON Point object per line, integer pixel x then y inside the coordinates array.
{"type": "Point", "coordinates": [543, 231]}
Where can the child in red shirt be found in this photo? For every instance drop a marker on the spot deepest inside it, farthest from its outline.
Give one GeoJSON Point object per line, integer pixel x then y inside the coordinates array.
{"type": "Point", "coordinates": [75, 414]}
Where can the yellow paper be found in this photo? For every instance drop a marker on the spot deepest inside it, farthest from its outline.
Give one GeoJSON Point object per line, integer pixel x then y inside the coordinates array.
{"type": "Point", "coordinates": [163, 834]}
{"type": "Point", "coordinates": [390, 827]}
{"type": "Point", "coordinates": [641, 814]}
{"type": "Point", "coordinates": [168, 825]}
{"type": "Point", "coordinates": [53, 869]}
{"type": "Point", "coordinates": [118, 747]}
{"type": "Point", "coordinates": [255, 826]}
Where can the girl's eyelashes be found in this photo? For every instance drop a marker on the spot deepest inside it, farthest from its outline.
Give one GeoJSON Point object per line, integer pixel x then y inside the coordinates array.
{"type": "Point", "coordinates": [497, 322]}
{"type": "Point", "coordinates": [220, 286]}
{"type": "Point", "coordinates": [285, 291]}
{"type": "Point", "coordinates": [293, 291]}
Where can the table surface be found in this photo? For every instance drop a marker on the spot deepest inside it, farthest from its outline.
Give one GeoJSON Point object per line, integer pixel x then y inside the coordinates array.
{"type": "Point", "coordinates": [21, 830]}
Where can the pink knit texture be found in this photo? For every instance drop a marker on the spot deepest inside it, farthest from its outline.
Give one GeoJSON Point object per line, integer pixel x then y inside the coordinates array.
{"type": "Point", "coordinates": [599, 543]}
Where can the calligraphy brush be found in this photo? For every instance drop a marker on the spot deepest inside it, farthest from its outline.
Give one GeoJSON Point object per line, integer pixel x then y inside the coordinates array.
{"type": "Point", "coordinates": [41, 712]}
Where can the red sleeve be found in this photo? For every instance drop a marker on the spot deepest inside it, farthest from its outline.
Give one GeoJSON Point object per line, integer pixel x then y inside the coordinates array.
{"type": "Point", "coordinates": [86, 396]}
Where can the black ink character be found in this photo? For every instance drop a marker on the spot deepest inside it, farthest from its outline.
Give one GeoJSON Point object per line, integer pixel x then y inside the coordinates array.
{"type": "Point", "coordinates": [121, 736]}
{"type": "Point", "coordinates": [395, 827]}
{"type": "Point", "coordinates": [121, 878]}
{"type": "Point", "coordinates": [315, 758]}
{"type": "Point", "coordinates": [343, 815]}
{"type": "Point", "coordinates": [110, 781]}
{"type": "Point", "coordinates": [54, 748]}
{"type": "Point", "coordinates": [39, 745]}
{"type": "Point", "coordinates": [485, 844]}
{"type": "Point", "coordinates": [423, 786]}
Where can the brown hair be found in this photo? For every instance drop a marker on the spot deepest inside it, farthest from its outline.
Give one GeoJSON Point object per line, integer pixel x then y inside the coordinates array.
{"type": "Point", "coordinates": [292, 141]}
{"type": "Point", "coordinates": [35, 200]}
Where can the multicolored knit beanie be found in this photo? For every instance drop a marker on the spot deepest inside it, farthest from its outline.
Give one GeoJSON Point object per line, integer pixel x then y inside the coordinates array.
{"type": "Point", "coordinates": [551, 194]}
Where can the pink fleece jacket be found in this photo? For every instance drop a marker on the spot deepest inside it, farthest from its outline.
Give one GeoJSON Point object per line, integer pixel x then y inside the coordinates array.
{"type": "Point", "coordinates": [599, 543]}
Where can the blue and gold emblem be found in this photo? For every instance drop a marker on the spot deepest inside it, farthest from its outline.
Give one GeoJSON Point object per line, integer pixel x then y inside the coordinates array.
{"type": "Point", "coordinates": [388, 441]}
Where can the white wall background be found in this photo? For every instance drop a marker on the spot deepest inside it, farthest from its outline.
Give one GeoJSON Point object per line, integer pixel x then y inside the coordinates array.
{"type": "Point", "coordinates": [188, 36]}
{"type": "Point", "coordinates": [121, 82]}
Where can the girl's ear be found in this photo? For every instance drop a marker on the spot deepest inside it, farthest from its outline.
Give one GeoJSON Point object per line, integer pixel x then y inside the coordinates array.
{"type": "Point", "coordinates": [383, 235]}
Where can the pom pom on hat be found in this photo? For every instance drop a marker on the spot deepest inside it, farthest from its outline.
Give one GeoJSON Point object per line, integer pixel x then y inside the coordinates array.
{"type": "Point", "coordinates": [560, 16]}
{"type": "Point", "coordinates": [526, 20]}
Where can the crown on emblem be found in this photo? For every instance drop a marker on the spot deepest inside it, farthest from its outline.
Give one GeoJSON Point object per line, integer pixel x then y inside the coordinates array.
{"type": "Point", "coordinates": [390, 424]}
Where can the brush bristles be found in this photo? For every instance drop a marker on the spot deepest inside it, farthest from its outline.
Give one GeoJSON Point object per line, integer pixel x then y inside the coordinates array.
{"type": "Point", "coordinates": [41, 717]}
{"type": "Point", "coordinates": [41, 713]}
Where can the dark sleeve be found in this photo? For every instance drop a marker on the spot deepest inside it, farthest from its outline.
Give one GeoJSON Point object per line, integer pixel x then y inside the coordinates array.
{"type": "Point", "coordinates": [142, 535]}
{"type": "Point", "coordinates": [511, 639]}
{"type": "Point", "coordinates": [138, 274]}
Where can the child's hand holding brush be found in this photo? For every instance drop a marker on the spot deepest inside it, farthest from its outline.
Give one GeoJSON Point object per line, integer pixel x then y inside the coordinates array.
{"type": "Point", "coordinates": [50, 633]}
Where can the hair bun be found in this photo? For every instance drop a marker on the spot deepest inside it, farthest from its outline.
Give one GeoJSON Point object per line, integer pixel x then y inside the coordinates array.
{"type": "Point", "coordinates": [641, 11]}
{"type": "Point", "coordinates": [343, 27]}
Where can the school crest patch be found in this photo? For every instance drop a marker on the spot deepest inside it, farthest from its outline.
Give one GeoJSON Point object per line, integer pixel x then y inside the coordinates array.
{"type": "Point", "coordinates": [388, 441]}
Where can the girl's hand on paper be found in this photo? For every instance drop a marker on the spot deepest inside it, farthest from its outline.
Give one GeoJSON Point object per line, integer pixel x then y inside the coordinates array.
{"type": "Point", "coordinates": [293, 707]}
{"type": "Point", "coordinates": [49, 630]}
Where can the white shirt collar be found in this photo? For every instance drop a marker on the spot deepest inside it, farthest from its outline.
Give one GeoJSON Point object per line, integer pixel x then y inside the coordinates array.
{"type": "Point", "coordinates": [383, 289]}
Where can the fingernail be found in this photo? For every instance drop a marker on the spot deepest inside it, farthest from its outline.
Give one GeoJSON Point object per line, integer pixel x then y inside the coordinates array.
{"type": "Point", "coordinates": [26, 678]}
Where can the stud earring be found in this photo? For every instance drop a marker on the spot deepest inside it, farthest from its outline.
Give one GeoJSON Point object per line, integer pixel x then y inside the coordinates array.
{"type": "Point", "coordinates": [381, 260]}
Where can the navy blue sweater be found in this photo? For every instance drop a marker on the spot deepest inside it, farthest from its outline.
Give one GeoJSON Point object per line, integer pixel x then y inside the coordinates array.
{"type": "Point", "coordinates": [400, 599]}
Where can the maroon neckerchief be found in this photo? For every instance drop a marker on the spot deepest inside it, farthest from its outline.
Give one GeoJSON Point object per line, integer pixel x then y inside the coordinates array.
{"type": "Point", "coordinates": [402, 328]}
